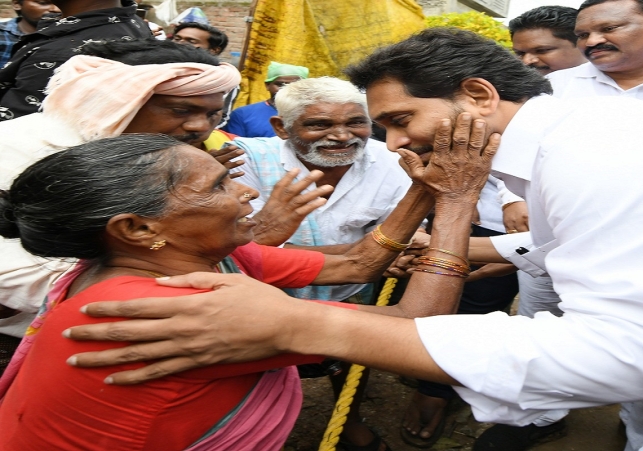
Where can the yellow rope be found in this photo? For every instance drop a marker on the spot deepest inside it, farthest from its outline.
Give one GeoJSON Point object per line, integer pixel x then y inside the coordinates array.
{"type": "Point", "coordinates": [343, 405]}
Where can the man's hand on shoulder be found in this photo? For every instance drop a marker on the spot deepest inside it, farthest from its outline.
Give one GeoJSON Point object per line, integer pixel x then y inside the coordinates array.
{"type": "Point", "coordinates": [241, 319]}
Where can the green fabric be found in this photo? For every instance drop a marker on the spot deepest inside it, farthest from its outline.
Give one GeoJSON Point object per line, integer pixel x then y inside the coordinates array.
{"type": "Point", "coordinates": [276, 70]}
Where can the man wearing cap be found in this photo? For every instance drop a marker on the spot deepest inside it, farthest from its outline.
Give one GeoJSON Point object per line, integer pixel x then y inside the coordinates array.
{"type": "Point", "coordinates": [253, 121]}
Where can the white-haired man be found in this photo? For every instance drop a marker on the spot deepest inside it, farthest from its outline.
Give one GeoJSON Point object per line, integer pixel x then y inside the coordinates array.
{"type": "Point", "coordinates": [323, 124]}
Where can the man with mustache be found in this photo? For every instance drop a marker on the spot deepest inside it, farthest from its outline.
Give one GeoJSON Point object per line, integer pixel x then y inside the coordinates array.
{"type": "Point", "coordinates": [610, 35]}
{"type": "Point", "coordinates": [323, 124]}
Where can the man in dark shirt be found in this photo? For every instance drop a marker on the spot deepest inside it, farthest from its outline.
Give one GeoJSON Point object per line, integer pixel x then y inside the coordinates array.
{"type": "Point", "coordinates": [29, 13]}
{"type": "Point", "coordinates": [36, 56]}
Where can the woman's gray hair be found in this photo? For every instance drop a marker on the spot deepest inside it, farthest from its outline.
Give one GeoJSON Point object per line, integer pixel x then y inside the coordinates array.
{"type": "Point", "coordinates": [59, 206]}
{"type": "Point", "coordinates": [292, 99]}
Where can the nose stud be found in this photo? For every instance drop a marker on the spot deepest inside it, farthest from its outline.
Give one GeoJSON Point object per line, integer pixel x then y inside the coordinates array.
{"type": "Point", "coordinates": [247, 195]}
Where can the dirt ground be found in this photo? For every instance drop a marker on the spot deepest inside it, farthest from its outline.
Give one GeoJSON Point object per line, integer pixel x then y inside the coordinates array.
{"type": "Point", "coordinates": [385, 401]}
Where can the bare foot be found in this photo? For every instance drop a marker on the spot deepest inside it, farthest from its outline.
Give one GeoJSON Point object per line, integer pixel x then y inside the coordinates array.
{"type": "Point", "coordinates": [358, 434]}
{"type": "Point", "coordinates": [424, 414]}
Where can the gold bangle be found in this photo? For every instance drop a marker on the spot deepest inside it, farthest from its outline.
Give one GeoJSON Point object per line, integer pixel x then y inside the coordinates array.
{"type": "Point", "coordinates": [439, 273]}
{"type": "Point", "coordinates": [504, 207]}
{"type": "Point", "coordinates": [444, 251]}
{"type": "Point", "coordinates": [386, 242]}
{"type": "Point", "coordinates": [443, 263]}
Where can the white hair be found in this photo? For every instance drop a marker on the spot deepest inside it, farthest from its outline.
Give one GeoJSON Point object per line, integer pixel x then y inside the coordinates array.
{"type": "Point", "coordinates": [292, 99]}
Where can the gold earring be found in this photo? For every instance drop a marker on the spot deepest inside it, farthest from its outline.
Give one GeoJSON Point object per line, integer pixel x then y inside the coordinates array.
{"type": "Point", "coordinates": [158, 245]}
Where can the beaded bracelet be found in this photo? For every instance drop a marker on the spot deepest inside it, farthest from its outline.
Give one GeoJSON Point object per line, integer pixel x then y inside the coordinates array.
{"type": "Point", "coordinates": [444, 251]}
{"type": "Point", "coordinates": [386, 242]}
{"type": "Point", "coordinates": [430, 271]}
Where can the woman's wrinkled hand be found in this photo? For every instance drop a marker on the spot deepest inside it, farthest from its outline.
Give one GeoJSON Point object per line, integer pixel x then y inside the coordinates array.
{"type": "Point", "coordinates": [226, 156]}
{"type": "Point", "coordinates": [287, 206]}
{"type": "Point", "coordinates": [459, 163]}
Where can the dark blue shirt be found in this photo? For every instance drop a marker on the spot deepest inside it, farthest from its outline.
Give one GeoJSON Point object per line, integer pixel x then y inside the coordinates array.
{"type": "Point", "coordinates": [252, 121]}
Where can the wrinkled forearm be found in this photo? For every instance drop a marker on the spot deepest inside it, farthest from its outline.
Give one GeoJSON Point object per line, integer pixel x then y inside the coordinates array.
{"type": "Point", "coordinates": [366, 260]}
{"type": "Point", "coordinates": [435, 294]}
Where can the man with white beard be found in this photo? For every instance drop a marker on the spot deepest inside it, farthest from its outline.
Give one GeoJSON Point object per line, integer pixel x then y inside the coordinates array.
{"type": "Point", "coordinates": [323, 124]}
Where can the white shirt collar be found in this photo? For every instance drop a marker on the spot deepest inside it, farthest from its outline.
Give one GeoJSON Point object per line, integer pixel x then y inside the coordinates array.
{"type": "Point", "coordinates": [521, 139]}
{"type": "Point", "coordinates": [588, 70]}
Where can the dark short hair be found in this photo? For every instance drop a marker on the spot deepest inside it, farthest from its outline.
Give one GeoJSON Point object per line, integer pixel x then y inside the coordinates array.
{"type": "Point", "coordinates": [59, 206]}
{"type": "Point", "coordinates": [588, 3]}
{"type": "Point", "coordinates": [559, 19]}
{"type": "Point", "coordinates": [148, 51]}
{"type": "Point", "coordinates": [217, 37]}
{"type": "Point", "coordinates": [434, 63]}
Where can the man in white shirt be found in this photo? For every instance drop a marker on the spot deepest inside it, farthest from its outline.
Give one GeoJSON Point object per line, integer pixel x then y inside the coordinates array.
{"type": "Point", "coordinates": [610, 34]}
{"type": "Point", "coordinates": [323, 124]}
{"type": "Point", "coordinates": [543, 38]}
{"type": "Point", "coordinates": [511, 369]}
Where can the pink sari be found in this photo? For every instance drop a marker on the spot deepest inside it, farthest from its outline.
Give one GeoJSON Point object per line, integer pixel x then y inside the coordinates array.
{"type": "Point", "coordinates": [265, 419]}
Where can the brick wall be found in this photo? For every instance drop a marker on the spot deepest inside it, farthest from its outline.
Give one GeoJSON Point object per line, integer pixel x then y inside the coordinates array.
{"type": "Point", "coordinates": [228, 17]}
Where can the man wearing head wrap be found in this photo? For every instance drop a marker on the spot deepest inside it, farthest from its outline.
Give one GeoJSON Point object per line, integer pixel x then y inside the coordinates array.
{"type": "Point", "coordinates": [253, 121]}
{"type": "Point", "coordinates": [144, 87]}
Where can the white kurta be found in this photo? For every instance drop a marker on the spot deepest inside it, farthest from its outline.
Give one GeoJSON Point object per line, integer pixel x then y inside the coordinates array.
{"type": "Point", "coordinates": [25, 279]}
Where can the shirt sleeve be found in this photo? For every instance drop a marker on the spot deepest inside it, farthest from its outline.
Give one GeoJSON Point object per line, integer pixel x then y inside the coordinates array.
{"type": "Point", "coordinates": [504, 195]}
{"type": "Point", "coordinates": [290, 268]}
{"type": "Point", "coordinates": [507, 246]}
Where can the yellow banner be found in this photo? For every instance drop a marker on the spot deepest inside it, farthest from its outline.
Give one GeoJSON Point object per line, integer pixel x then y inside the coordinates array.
{"type": "Point", "coordinates": [324, 35]}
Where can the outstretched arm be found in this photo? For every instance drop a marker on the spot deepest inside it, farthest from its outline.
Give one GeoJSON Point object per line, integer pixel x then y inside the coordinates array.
{"type": "Point", "coordinates": [248, 321]}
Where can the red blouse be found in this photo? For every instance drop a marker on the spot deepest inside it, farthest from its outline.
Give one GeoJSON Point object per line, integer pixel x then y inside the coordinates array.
{"type": "Point", "coordinates": [54, 406]}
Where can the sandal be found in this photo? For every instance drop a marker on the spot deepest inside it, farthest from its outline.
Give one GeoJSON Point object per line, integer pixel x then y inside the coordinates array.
{"type": "Point", "coordinates": [420, 442]}
{"type": "Point", "coordinates": [416, 440]}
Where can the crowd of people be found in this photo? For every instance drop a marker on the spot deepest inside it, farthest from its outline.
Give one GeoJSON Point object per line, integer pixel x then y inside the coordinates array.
{"type": "Point", "coordinates": [248, 244]}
